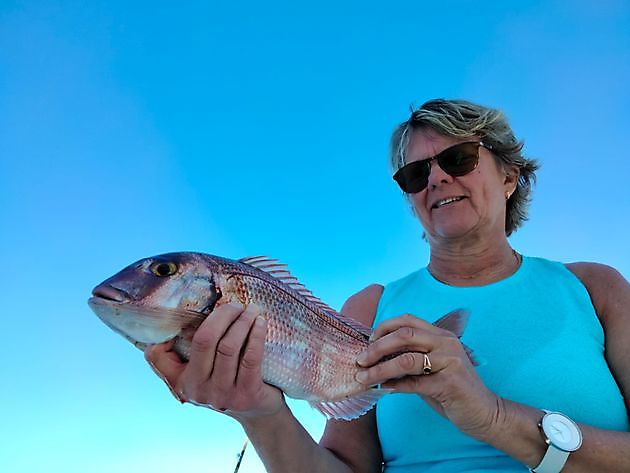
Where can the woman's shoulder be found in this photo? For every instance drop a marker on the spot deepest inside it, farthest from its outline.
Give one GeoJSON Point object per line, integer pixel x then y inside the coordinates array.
{"type": "Point", "coordinates": [599, 277]}
{"type": "Point", "coordinates": [362, 305]}
{"type": "Point", "coordinates": [609, 290]}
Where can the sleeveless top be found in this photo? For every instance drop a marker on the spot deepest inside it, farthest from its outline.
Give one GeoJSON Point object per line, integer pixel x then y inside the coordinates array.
{"type": "Point", "coordinates": [539, 342]}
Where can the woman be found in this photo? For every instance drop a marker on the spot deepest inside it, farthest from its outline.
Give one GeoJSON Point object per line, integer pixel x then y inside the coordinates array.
{"type": "Point", "coordinates": [552, 336]}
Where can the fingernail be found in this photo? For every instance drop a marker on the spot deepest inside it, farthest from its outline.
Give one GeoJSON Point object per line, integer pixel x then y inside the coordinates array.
{"type": "Point", "coordinates": [260, 321]}
{"type": "Point", "coordinates": [236, 305]}
{"type": "Point", "coordinates": [361, 376]}
{"type": "Point", "coordinates": [255, 309]}
{"type": "Point", "coordinates": [362, 358]}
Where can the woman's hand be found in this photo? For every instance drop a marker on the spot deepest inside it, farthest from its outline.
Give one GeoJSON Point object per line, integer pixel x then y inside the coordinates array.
{"type": "Point", "coordinates": [452, 388]}
{"type": "Point", "coordinates": [224, 370]}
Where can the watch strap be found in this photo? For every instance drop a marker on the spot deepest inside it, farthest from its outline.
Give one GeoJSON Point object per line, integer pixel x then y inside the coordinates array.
{"type": "Point", "coordinates": [553, 461]}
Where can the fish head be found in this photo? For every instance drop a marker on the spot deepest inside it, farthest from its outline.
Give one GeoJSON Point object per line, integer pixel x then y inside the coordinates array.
{"type": "Point", "coordinates": [154, 299]}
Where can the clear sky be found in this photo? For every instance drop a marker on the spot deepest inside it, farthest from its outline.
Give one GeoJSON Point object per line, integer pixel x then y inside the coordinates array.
{"type": "Point", "coordinates": [129, 129]}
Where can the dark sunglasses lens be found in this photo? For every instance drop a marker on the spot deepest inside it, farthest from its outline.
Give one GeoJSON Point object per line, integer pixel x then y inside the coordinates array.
{"type": "Point", "coordinates": [457, 160]}
{"type": "Point", "coordinates": [413, 177]}
{"type": "Point", "coordinates": [460, 160]}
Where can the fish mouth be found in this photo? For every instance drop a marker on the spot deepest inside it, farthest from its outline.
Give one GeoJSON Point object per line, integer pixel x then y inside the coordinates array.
{"type": "Point", "coordinates": [96, 301]}
{"type": "Point", "coordinates": [106, 292]}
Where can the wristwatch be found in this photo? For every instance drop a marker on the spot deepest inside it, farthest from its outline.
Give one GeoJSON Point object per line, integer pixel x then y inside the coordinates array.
{"type": "Point", "coordinates": [563, 437]}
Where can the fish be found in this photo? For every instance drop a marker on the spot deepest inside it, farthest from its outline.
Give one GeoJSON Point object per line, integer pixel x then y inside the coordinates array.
{"type": "Point", "coordinates": [310, 349]}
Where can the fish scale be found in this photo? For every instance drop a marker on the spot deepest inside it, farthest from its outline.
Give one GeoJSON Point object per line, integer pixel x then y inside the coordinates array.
{"type": "Point", "coordinates": [296, 334]}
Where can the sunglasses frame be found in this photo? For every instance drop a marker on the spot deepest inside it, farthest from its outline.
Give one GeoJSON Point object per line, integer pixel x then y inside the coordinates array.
{"type": "Point", "coordinates": [399, 176]}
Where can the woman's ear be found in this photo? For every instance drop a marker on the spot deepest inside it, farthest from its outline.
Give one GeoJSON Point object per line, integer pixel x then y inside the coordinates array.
{"type": "Point", "coordinates": [511, 180]}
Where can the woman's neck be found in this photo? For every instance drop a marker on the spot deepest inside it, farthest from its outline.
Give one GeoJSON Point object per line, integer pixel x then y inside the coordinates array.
{"type": "Point", "coordinates": [473, 265]}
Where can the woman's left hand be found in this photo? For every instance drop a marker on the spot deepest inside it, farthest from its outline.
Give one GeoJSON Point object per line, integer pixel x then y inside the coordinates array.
{"type": "Point", "coordinates": [452, 388]}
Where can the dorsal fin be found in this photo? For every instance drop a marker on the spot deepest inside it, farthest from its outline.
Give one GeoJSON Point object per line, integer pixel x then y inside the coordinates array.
{"type": "Point", "coordinates": [279, 271]}
{"type": "Point", "coordinates": [250, 259]}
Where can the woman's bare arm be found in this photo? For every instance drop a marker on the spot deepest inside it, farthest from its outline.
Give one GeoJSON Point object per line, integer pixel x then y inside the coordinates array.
{"type": "Point", "coordinates": [356, 442]}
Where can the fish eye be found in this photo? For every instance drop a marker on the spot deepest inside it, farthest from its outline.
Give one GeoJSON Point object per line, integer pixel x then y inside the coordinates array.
{"type": "Point", "coordinates": [164, 269]}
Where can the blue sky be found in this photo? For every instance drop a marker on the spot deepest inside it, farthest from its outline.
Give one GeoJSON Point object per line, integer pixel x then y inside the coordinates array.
{"type": "Point", "coordinates": [129, 129]}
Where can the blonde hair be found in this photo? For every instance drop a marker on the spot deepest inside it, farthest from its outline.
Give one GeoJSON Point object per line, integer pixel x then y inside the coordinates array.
{"type": "Point", "coordinates": [463, 119]}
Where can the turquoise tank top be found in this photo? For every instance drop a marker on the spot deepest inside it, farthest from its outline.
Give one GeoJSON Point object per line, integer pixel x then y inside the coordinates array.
{"type": "Point", "coordinates": [541, 344]}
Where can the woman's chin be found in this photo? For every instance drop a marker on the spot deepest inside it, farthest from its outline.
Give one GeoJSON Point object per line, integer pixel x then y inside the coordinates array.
{"type": "Point", "coordinates": [452, 231]}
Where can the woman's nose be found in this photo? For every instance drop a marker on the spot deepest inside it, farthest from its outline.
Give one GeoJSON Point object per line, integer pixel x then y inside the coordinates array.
{"type": "Point", "coordinates": [438, 176]}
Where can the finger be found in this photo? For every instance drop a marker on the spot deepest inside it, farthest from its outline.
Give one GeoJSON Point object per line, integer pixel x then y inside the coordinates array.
{"type": "Point", "coordinates": [405, 364]}
{"type": "Point", "coordinates": [165, 363]}
{"type": "Point", "coordinates": [407, 320]}
{"type": "Point", "coordinates": [403, 339]}
{"type": "Point", "coordinates": [422, 385]}
{"type": "Point", "coordinates": [428, 388]}
{"type": "Point", "coordinates": [230, 347]}
{"type": "Point", "coordinates": [205, 340]}
{"type": "Point", "coordinates": [250, 368]}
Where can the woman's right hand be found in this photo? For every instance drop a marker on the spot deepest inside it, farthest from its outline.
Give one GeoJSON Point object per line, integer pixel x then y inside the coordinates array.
{"type": "Point", "coordinates": [224, 370]}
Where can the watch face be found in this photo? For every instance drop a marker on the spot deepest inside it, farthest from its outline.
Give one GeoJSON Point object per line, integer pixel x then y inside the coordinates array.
{"type": "Point", "coordinates": [562, 432]}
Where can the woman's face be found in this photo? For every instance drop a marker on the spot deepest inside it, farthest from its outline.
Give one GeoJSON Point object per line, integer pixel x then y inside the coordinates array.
{"type": "Point", "coordinates": [480, 205]}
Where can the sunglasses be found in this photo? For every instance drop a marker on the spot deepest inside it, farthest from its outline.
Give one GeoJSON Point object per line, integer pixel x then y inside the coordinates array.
{"type": "Point", "coordinates": [458, 160]}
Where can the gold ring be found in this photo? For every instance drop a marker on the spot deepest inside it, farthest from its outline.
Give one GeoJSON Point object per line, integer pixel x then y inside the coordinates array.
{"type": "Point", "coordinates": [426, 364]}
